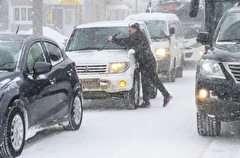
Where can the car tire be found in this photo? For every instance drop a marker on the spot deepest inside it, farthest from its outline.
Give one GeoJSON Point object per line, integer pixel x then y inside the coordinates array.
{"type": "Point", "coordinates": [75, 114]}
{"type": "Point", "coordinates": [14, 133]}
{"type": "Point", "coordinates": [171, 75]}
{"type": "Point", "coordinates": [131, 98]}
{"type": "Point", "coordinates": [179, 73]}
{"type": "Point", "coordinates": [208, 126]}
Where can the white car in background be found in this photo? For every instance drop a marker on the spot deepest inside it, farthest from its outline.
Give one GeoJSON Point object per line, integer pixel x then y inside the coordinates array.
{"type": "Point", "coordinates": [193, 50]}
{"type": "Point", "coordinates": [106, 70]}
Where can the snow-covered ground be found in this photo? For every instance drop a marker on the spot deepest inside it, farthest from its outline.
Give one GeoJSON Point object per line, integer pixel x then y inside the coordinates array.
{"type": "Point", "coordinates": [110, 131]}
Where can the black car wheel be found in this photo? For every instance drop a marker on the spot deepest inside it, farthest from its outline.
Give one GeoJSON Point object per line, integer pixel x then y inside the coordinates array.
{"type": "Point", "coordinates": [76, 113]}
{"type": "Point", "coordinates": [131, 98]}
{"type": "Point", "coordinates": [14, 134]}
{"type": "Point", "coordinates": [208, 126]}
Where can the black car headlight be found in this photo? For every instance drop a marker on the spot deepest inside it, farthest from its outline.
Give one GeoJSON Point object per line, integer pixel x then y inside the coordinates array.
{"type": "Point", "coordinates": [211, 68]}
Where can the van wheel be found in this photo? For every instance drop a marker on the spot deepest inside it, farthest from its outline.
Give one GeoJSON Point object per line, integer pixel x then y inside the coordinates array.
{"type": "Point", "coordinates": [14, 133]}
{"type": "Point", "coordinates": [171, 75]}
{"type": "Point", "coordinates": [131, 98]}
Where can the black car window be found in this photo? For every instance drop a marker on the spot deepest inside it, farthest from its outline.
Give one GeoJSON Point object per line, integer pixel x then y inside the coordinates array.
{"type": "Point", "coordinates": [35, 54]}
{"type": "Point", "coordinates": [9, 54]}
{"type": "Point", "coordinates": [54, 53]}
{"type": "Point", "coordinates": [7, 61]}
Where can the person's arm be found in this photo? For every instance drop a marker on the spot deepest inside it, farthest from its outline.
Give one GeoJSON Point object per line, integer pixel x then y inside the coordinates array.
{"type": "Point", "coordinates": [121, 41]}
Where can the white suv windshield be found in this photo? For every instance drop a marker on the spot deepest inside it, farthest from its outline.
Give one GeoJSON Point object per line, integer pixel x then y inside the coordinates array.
{"type": "Point", "coordinates": [95, 38]}
{"type": "Point", "coordinates": [230, 29]}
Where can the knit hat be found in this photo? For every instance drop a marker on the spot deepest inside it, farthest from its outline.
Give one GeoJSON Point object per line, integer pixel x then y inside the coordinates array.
{"type": "Point", "coordinates": [135, 25]}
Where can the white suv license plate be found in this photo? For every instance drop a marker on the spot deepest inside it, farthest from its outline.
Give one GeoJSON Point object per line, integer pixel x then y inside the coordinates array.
{"type": "Point", "coordinates": [93, 82]}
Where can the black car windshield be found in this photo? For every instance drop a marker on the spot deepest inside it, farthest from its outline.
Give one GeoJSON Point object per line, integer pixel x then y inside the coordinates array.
{"type": "Point", "coordinates": [95, 38]}
{"type": "Point", "coordinates": [9, 54]}
{"type": "Point", "coordinates": [230, 28]}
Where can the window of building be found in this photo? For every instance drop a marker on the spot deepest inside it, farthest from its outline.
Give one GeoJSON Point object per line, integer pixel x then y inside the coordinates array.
{"type": "Point", "coordinates": [23, 14]}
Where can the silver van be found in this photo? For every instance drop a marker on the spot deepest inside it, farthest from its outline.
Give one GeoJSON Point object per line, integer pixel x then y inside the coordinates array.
{"type": "Point", "coordinates": [168, 39]}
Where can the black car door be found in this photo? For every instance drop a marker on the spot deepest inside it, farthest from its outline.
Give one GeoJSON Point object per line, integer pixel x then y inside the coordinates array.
{"type": "Point", "coordinates": [63, 70]}
{"type": "Point", "coordinates": [43, 93]}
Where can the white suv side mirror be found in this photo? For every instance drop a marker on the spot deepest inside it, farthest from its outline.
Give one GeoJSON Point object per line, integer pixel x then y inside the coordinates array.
{"type": "Point", "coordinates": [131, 52]}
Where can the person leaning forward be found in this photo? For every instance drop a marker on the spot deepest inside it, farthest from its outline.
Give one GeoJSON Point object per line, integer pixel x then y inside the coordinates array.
{"type": "Point", "coordinates": [147, 63]}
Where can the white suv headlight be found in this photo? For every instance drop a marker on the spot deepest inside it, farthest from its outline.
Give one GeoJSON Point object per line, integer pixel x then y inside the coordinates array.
{"type": "Point", "coordinates": [118, 67]}
{"type": "Point", "coordinates": [211, 68]}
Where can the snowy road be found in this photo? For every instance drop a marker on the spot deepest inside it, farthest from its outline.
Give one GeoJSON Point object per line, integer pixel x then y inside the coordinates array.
{"type": "Point", "coordinates": [113, 132]}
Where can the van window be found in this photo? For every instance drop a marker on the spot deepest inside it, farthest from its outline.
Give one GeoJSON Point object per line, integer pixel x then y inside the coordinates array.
{"type": "Point", "coordinates": [156, 28]}
{"type": "Point", "coordinates": [178, 29]}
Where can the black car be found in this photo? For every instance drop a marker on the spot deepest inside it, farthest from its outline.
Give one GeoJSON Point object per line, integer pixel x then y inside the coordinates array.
{"type": "Point", "coordinates": [218, 76]}
{"type": "Point", "coordinates": [39, 88]}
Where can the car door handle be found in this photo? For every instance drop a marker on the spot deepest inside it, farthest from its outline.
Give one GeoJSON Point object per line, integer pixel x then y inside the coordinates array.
{"type": "Point", "coordinates": [52, 80]}
{"type": "Point", "coordinates": [70, 72]}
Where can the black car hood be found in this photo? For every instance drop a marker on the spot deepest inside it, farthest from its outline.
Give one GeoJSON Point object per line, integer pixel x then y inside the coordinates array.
{"type": "Point", "coordinates": [6, 77]}
{"type": "Point", "coordinates": [224, 53]}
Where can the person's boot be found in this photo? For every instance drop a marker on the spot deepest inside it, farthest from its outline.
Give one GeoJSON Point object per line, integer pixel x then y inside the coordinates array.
{"type": "Point", "coordinates": [166, 100]}
{"type": "Point", "coordinates": [144, 104]}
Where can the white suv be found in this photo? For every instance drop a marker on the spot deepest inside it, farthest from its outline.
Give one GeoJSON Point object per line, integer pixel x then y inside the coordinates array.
{"type": "Point", "coordinates": [105, 69]}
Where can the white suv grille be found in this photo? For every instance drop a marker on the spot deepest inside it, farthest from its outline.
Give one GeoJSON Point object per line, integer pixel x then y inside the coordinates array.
{"type": "Point", "coordinates": [91, 68]}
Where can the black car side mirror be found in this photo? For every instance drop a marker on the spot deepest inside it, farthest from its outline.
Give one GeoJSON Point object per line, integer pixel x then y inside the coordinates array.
{"type": "Point", "coordinates": [42, 67]}
{"type": "Point", "coordinates": [203, 38]}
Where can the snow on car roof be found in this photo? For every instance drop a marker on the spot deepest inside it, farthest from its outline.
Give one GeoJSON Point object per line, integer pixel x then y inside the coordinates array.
{"type": "Point", "coordinates": [109, 23]}
{"type": "Point", "coordinates": [152, 16]}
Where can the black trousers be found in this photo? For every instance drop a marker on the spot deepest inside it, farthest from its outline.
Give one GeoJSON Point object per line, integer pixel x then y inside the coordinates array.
{"type": "Point", "coordinates": [148, 77]}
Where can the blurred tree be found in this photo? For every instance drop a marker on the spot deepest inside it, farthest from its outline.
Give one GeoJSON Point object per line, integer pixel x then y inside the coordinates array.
{"type": "Point", "coordinates": [37, 17]}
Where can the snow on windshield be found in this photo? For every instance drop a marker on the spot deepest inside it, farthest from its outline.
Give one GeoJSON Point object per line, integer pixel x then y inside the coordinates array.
{"type": "Point", "coordinates": [9, 53]}
{"type": "Point", "coordinates": [95, 38]}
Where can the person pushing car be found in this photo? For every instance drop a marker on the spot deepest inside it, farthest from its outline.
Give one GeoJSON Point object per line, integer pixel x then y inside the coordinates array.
{"type": "Point", "coordinates": [147, 63]}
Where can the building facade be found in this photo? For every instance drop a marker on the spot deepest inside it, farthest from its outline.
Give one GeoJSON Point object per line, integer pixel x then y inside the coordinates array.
{"type": "Point", "coordinates": [61, 15]}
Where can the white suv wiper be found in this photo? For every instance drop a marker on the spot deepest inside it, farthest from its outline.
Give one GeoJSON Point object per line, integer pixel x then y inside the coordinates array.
{"type": "Point", "coordinates": [108, 41]}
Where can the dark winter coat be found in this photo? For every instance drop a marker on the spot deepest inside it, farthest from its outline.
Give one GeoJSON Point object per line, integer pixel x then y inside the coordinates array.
{"type": "Point", "coordinates": [138, 42]}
